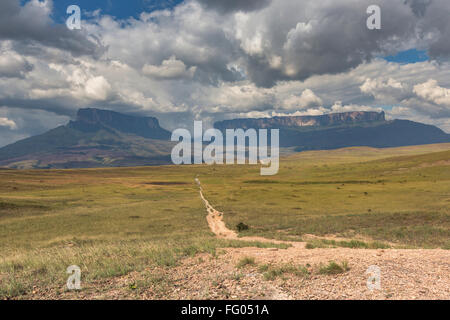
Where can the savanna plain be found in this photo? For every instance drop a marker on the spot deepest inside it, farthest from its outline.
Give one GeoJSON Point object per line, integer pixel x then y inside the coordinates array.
{"type": "Point", "coordinates": [310, 232]}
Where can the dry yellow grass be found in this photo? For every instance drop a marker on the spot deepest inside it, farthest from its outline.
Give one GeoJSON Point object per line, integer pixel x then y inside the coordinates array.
{"type": "Point", "coordinates": [112, 222]}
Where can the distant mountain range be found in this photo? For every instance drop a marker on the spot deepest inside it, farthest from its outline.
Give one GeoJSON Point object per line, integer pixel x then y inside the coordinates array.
{"type": "Point", "coordinates": [102, 138]}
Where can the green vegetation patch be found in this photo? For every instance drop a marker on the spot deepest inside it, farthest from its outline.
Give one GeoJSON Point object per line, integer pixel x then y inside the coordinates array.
{"type": "Point", "coordinates": [272, 272]}
{"type": "Point", "coordinates": [325, 243]}
{"type": "Point", "coordinates": [246, 261]}
{"type": "Point", "coordinates": [334, 268]}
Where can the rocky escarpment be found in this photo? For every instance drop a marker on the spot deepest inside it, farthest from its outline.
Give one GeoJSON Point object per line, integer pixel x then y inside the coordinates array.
{"type": "Point", "coordinates": [333, 119]}
{"type": "Point", "coordinates": [339, 130]}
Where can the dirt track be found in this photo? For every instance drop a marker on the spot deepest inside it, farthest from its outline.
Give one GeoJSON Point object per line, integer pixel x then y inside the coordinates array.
{"type": "Point", "coordinates": [215, 220]}
{"type": "Point", "coordinates": [218, 227]}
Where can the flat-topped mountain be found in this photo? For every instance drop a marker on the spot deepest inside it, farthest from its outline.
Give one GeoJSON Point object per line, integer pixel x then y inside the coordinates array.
{"type": "Point", "coordinates": [339, 130]}
{"type": "Point", "coordinates": [89, 120]}
{"type": "Point", "coordinates": [333, 119]}
{"type": "Point", "coordinates": [97, 138]}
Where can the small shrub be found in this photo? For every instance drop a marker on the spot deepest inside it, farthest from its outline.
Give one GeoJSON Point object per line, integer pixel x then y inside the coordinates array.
{"type": "Point", "coordinates": [309, 245]}
{"type": "Point", "coordinates": [241, 226]}
{"type": "Point", "coordinates": [263, 268]}
{"type": "Point", "coordinates": [272, 274]}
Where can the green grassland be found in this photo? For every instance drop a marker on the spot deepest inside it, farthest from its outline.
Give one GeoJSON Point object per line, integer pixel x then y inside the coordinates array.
{"type": "Point", "coordinates": [355, 192]}
{"type": "Point", "coordinates": [117, 220]}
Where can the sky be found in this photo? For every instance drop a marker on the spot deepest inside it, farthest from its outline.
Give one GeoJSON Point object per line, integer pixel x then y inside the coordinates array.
{"type": "Point", "coordinates": [118, 9]}
{"type": "Point", "coordinates": [212, 60]}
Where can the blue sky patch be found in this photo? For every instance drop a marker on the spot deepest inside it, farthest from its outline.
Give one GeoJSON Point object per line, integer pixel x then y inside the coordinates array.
{"type": "Point", "coordinates": [408, 56]}
{"type": "Point", "coordinates": [119, 9]}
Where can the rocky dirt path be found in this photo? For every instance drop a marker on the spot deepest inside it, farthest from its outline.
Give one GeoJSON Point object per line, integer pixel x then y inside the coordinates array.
{"type": "Point", "coordinates": [218, 227]}
{"type": "Point", "coordinates": [215, 219]}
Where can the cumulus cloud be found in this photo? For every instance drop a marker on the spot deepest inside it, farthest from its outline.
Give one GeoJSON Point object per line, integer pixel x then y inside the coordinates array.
{"type": "Point", "coordinates": [5, 122]}
{"type": "Point", "coordinates": [339, 107]}
{"type": "Point", "coordinates": [385, 90]}
{"type": "Point", "coordinates": [13, 65]}
{"type": "Point", "coordinates": [373, 85]}
{"type": "Point", "coordinates": [432, 92]}
{"type": "Point", "coordinates": [307, 99]}
{"type": "Point", "coordinates": [169, 69]}
{"type": "Point", "coordinates": [308, 112]}
{"type": "Point", "coordinates": [98, 88]}
{"type": "Point", "coordinates": [231, 97]}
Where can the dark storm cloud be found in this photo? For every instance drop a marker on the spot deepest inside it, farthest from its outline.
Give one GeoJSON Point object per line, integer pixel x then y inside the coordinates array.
{"type": "Point", "coordinates": [436, 21]}
{"type": "Point", "coordinates": [226, 6]}
{"type": "Point", "coordinates": [419, 7]}
{"type": "Point", "coordinates": [315, 37]}
{"type": "Point", "coordinates": [30, 23]}
{"type": "Point", "coordinates": [329, 38]}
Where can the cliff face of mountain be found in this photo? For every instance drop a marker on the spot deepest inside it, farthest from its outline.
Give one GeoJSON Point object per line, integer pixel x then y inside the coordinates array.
{"type": "Point", "coordinates": [333, 119]}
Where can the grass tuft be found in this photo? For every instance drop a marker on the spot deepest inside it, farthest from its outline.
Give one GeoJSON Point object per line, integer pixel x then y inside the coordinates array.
{"type": "Point", "coordinates": [246, 261]}
{"type": "Point", "coordinates": [334, 268]}
{"type": "Point", "coordinates": [356, 244]}
{"type": "Point", "coordinates": [273, 272]}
